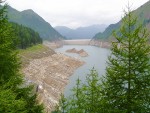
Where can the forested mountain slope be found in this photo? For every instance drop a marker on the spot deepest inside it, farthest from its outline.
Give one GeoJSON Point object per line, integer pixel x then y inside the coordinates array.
{"type": "Point", "coordinates": [26, 36]}
{"type": "Point", "coordinates": [143, 14]}
{"type": "Point", "coordinates": [32, 20]}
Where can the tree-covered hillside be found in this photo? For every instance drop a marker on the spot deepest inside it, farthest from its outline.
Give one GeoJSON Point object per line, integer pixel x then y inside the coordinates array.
{"type": "Point", "coordinates": [107, 33]}
{"type": "Point", "coordinates": [143, 14]}
{"type": "Point", "coordinates": [32, 20]}
{"type": "Point", "coordinates": [26, 36]}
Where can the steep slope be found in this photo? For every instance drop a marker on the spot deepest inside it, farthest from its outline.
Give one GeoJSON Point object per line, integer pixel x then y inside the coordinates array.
{"type": "Point", "coordinates": [26, 36]}
{"type": "Point", "coordinates": [81, 32]}
{"type": "Point", "coordinates": [32, 20]}
{"type": "Point", "coordinates": [143, 14]}
{"type": "Point", "coordinates": [107, 33]}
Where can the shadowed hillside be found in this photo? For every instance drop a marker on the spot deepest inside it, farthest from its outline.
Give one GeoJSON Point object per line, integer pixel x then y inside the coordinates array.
{"type": "Point", "coordinates": [32, 20]}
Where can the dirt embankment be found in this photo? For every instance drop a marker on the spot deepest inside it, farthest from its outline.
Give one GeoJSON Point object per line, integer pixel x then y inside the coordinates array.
{"type": "Point", "coordinates": [50, 73]}
{"type": "Point", "coordinates": [98, 43]}
{"type": "Point", "coordinates": [54, 44]}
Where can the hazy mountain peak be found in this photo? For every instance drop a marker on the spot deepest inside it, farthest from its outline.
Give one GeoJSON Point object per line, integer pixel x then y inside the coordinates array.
{"type": "Point", "coordinates": [81, 32]}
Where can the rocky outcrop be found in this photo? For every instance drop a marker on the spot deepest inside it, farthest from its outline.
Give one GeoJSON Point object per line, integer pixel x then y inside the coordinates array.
{"type": "Point", "coordinates": [81, 52]}
{"type": "Point", "coordinates": [50, 74]}
{"type": "Point", "coordinates": [73, 50]}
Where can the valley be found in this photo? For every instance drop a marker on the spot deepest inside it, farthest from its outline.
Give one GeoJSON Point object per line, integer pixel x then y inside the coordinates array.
{"type": "Point", "coordinates": [45, 53]}
{"type": "Point", "coordinates": [55, 71]}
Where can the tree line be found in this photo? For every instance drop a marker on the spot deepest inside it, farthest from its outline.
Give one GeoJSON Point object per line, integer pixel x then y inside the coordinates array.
{"type": "Point", "coordinates": [26, 36]}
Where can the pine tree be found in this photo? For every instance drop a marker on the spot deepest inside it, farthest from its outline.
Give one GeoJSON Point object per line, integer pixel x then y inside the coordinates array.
{"type": "Point", "coordinates": [76, 102]}
{"type": "Point", "coordinates": [92, 92]}
{"type": "Point", "coordinates": [62, 105]}
{"type": "Point", "coordinates": [14, 98]}
{"type": "Point", "coordinates": [126, 86]}
{"type": "Point", "coordinates": [86, 97]}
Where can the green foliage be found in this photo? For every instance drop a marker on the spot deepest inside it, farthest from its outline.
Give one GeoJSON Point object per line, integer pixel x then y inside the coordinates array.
{"type": "Point", "coordinates": [62, 107]}
{"type": "Point", "coordinates": [32, 20]}
{"type": "Point", "coordinates": [107, 33]}
{"type": "Point", "coordinates": [9, 65]}
{"type": "Point", "coordinates": [77, 100]}
{"type": "Point", "coordinates": [27, 37]}
{"type": "Point", "coordinates": [14, 97]}
{"type": "Point", "coordinates": [143, 16]}
{"type": "Point", "coordinates": [9, 103]}
{"type": "Point", "coordinates": [86, 97]}
{"type": "Point", "coordinates": [126, 87]}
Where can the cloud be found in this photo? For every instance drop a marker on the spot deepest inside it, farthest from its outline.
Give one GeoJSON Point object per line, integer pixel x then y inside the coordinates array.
{"type": "Point", "coordinates": [75, 13]}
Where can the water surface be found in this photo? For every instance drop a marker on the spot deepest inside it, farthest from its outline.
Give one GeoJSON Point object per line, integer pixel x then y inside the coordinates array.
{"type": "Point", "coordinates": [97, 58]}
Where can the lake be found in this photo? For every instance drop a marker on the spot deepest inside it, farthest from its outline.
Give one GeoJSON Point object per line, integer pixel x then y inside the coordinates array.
{"type": "Point", "coordinates": [97, 58]}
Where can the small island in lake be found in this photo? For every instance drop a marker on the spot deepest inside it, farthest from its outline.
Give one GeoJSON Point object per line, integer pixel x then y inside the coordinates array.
{"type": "Point", "coordinates": [81, 52]}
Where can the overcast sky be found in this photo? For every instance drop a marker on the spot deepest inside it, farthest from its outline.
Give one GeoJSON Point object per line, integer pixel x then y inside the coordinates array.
{"type": "Point", "coordinates": [76, 13]}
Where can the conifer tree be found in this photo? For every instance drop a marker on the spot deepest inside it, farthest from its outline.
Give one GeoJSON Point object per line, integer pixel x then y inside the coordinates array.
{"type": "Point", "coordinates": [126, 86]}
{"type": "Point", "coordinates": [62, 105]}
{"type": "Point", "coordinates": [86, 97]}
{"type": "Point", "coordinates": [92, 92]}
{"type": "Point", "coordinates": [77, 99]}
{"type": "Point", "coordinates": [14, 98]}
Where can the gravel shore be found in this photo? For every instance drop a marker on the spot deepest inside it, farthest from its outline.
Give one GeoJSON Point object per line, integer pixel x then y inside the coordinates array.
{"type": "Point", "coordinates": [51, 75]}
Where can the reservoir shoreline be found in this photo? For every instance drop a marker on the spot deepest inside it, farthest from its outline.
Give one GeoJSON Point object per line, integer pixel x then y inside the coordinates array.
{"type": "Point", "coordinates": [56, 73]}
{"type": "Point", "coordinates": [96, 58]}
{"type": "Point", "coordinates": [49, 72]}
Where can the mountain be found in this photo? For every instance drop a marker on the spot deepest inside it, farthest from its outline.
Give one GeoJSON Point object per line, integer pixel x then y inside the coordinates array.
{"type": "Point", "coordinates": [81, 32]}
{"type": "Point", "coordinates": [26, 36]}
{"type": "Point", "coordinates": [107, 33]}
{"type": "Point", "coordinates": [32, 20]}
{"type": "Point", "coordinates": [143, 14]}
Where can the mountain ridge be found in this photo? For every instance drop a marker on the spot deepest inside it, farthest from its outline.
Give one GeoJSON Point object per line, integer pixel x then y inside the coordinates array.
{"type": "Point", "coordinates": [143, 15]}
{"type": "Point", "coordinates": [34, 21]}
{"type": "Point", "coordinates": [81, 32]}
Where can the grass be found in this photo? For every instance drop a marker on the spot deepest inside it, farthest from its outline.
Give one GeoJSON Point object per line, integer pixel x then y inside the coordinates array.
{"type": "Point", "coordinates": [33, 49]}
{"type": "Point", "coordinates": [34, 52]}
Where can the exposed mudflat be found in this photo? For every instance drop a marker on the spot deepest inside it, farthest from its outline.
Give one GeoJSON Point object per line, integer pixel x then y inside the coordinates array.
{"type": "Point", "coordinates": [51, 75]}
